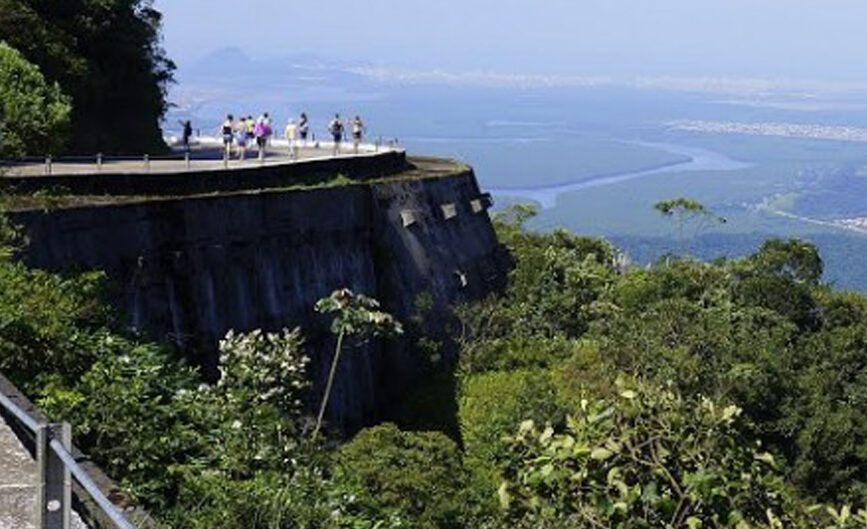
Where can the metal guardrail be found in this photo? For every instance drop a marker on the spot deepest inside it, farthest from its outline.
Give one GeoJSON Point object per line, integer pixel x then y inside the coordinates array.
{"type": "Point", "coordinates": [56, 466]}
{"type": "Point", "coordinates": [284, 149]}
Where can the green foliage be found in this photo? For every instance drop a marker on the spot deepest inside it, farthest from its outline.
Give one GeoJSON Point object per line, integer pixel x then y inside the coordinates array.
{"type": "Point", "coordinates": [553, 289]}
{"type": "Point", "coordinates": [648, 458]}
{"type": "Point", "coordinates": [355, 315]}
{"type": "Point", "coordinates": [511, 353]}
{"type": "Point", "coordinates": [729, 394]}
{"type": "Point", "coordinates": [106, 55]}
{"type": "Point", "coordinates": [34, 114]}
{"type": "Point", "coordinates": [684, 211]}
{"type": "Point", "coordinates": [794, 260]}
{"type": "Point", "coordinates": [137, 413]}
{"type": "Point", "coordinates": [257, 403]}
{"type": "Point", "coordinates": [416, 477]}
{"type": "Point", "coordinates": [10, 238]}
{"type": "Point", "coordinates": [680, 206]}
{"type": "Point", "coordinates": [270, 500]}
{"type": "Point", "coordinates": [50, 324]}
{"type": "Point", "coordinates": [146, 420]}
{"type": "Point", "coordinates": [759, 332]}
{"type": "Point", "coordinates": [490, 405]}
{"type": "Point", "coordinates": [586, 374]}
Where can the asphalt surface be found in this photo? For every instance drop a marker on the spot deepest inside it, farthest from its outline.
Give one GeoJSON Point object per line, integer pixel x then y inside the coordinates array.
{"type": "Point", "coordinates": [205, 156]}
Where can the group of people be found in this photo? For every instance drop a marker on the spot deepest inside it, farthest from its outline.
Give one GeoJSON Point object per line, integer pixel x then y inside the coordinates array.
{"type": "Point", "coordinates": [337, 130]}
{"type": "Point", "coordinates": [243, 131]}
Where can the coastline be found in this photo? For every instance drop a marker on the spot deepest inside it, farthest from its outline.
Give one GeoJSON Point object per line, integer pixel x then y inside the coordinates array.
{"type": "Point", "coordinates": [697, 159]}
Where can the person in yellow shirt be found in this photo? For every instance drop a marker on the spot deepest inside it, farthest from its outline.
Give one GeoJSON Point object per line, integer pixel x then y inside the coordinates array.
{"type": "Point", "coordinates": [292, 138]}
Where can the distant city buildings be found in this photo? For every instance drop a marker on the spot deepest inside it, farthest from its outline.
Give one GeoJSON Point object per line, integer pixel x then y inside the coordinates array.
{"type": "Point", "coordinates": [787, 130]}
{"type": "Point", "coordinates": [856, 223]}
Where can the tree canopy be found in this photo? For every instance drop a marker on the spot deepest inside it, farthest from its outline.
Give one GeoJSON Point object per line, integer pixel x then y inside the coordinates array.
{"type": "Point", "coordinates": [34, 114]}
{"type": "Point", "coordinates": [588, 394]}
{"type": "Point", "coordinates": [106, 55]}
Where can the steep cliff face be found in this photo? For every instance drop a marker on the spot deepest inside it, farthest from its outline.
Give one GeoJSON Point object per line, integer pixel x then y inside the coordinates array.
{"type": "Point", "coordinates": [186, 271]}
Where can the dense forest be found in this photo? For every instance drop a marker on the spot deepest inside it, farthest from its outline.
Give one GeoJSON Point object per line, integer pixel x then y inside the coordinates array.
{"type": "Point", "coordinates": [103, 54]}
{"type": "Point", "coordinates": [589, 394]}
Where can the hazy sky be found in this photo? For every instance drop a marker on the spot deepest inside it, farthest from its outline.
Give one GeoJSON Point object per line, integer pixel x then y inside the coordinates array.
{"type": "Point", "coordinates": [808, 39]}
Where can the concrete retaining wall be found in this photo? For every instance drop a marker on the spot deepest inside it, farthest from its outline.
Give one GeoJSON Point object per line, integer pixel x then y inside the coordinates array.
{"type": "Point", "coordinates": [192, 182]}
{"type": "Point", "coordinates": [186, 271]}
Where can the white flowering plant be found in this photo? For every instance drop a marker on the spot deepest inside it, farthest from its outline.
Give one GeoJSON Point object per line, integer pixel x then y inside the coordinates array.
{"type": "Point", "coordinates": [268, 367]}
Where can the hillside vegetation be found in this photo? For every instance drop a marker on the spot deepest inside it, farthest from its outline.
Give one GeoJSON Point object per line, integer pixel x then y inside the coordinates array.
{"type": "Point", "coordinates": [104, 54]}
{"type": "Point", "coordinates": [34, 115]}
{"type": "Point", "coordinates": [588, 395]}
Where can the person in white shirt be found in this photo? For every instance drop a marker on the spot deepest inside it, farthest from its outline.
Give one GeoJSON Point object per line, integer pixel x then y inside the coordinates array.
{"type": "Point", "coordinates": [358, 130]}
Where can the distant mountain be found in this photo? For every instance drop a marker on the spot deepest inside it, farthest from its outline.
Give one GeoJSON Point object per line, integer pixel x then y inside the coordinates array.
{"type": "Point", "coordinates": [232, 66]}
{"type": "Point", "coordinates": [229, 80]}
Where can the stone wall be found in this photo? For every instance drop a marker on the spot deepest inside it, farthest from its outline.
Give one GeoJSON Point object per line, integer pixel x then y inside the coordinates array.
{"type": "Point", "coordinates": [185, 271]}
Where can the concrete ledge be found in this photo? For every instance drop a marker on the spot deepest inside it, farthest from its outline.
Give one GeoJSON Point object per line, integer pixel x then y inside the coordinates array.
{"type": "Point", "coordinates": [202, 181]}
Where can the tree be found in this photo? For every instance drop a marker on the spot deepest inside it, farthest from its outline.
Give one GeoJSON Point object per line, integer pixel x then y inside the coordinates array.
{"type": "Point", "coordinates": [791, 259]}
{"type": "Point", "coordinates": [107, 56]}
{"type": "Point", "coordinates": [356, 315]}
{"type": "Point", "coordinates": [34, 114]}
{"type": "Point", "coordinates": [685, 210]}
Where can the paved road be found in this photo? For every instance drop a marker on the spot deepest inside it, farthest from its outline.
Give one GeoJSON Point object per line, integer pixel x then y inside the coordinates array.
{"type": "Point", "coordinates": [203, 157]}
{"type": "Point", "coordinates": [18, 484]}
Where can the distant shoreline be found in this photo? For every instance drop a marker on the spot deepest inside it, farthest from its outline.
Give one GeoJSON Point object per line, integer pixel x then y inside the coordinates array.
{"type": "Point", "coordinates": [696, 159]}
{"type": "Point", "coordinates": [599, 176]}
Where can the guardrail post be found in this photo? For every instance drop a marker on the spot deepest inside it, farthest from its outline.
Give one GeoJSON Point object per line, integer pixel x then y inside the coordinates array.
{"type": "Point", "coordinates": [54, 492]}
{"type": "Point", "coordinates": [187, 159]}
{"type": "Point", "coordinates": [99, 161]}
{"type": "Point", "coordinates": [147, 162]}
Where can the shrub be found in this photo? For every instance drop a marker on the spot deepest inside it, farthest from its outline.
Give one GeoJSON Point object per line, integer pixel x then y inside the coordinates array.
{"type": "Point", "coordinates": [265, 368]}
{"type": "Point", "coordinates": [270, 500]}
{"type": "Point", "coordinates": [50, 324]}
{"type": "Point", "coordinates": [585, 374]}
{"type": "Point", "coordinates": [490, 404]}
{"type": "Point", "coordinates": [416, 477]}
{"type": "Point", "coordinates": [647, 458]}
{"type": "Point", "coordinates": [138, 415]}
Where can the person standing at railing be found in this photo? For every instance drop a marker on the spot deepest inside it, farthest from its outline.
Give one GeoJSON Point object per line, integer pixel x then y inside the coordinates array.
{"type": "Point", "coordinates": [303, 128]}
{"type": "Point", "coordinates": [241, 137]}
{"type": "Point", "coordinates": [269, 128]}
{"type": "Point", "coordinates": [250, 129]}
{"type": "Point", "coordinates": [227, 131]}
{"type": "Point", "coordinates": [263, 132]}
{"type": "Point", "coordinates": [292, 137]}
{"type": "Point", "coordinates": [336, 130]}
{"type": "Point", "coordinates": [186, 134]}
{"type": "Point", "coordinates": [358, 130]}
